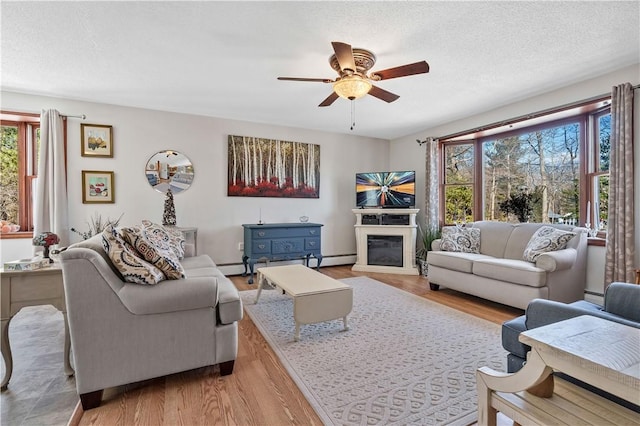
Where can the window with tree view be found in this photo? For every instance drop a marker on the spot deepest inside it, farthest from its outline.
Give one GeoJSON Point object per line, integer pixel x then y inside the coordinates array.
{"type": "Point", "coordinates": [546, 173]}
{"type": "Point", "coordinates": [18, 159]}
{"type": "Point", "coordinates": [533, 176]}
{"type": "Point", "coordinates": [459, 179]}
{"type": "Point", "coordinates": [599, 170]}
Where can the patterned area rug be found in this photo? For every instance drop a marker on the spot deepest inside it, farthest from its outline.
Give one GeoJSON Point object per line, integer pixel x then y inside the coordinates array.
{"type": "Point", "coordinates": [405, 359]}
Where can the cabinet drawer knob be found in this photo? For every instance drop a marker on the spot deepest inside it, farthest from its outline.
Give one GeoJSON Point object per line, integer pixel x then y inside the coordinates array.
{"type": "Point", "coordinates": [312, 231]}
{"type": "Point", "coordinates": [261, 246]}
{"type": "Point", "coordinates": [261, 233]}
{"type": "Point", "coordinates": [312, 243]}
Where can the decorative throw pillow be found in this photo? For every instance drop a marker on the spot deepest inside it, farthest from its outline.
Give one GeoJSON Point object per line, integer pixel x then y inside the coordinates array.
{"type": "Point", "coordinates": [159, 255]}
{"type": "Point", "coordinates": [176, 240]}
{"type": "Point", "coordinates": [126, 260]}
{"type": "Point", "coordinates": [164, 237]}
{"type": "Point", "coordinates": [465, 240]}
{"type": "Point", "coordinates": [546, 239]}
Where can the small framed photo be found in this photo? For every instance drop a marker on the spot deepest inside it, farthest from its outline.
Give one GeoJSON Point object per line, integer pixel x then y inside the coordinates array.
{"type": "Point", "coordinates": [97, 187]}
{"type": "Point", "coordinates": [97, 140]}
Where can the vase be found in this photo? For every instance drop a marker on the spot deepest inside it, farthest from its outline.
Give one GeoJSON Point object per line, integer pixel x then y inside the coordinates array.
{"type": "Point", "coordinates": [424, 267]}
{"type": "Point", "coordinates": [45, 254]}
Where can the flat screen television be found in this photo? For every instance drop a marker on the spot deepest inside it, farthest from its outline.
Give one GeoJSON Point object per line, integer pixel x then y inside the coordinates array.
{"type": "Point", "coordinates": [386, 189]}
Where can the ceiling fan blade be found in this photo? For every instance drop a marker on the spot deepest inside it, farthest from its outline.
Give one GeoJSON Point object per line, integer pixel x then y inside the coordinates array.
{"type": "Point", "coordinates": [319, 80]}
{"type": "Point", "coordinates": [401, 71]}
{"type": "Point", "coordinates": [383, 94]}
{"type": "Point", "coordinates": [344, 53]}
{"type": "Point", "coordinates": [330, 99]}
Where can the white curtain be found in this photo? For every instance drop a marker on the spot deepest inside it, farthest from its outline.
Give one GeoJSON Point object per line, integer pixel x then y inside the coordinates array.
{"type": "Point", "coordinates": [50, 199]}
{"type": "Point", "coordinates": [619, 264]}
{"type": "Point", "coordinates": [431, 197]}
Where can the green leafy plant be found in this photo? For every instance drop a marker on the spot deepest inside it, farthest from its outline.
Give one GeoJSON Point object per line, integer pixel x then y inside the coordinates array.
{"type": "Point", "coordinates": [427, 236]}
{"type": "Point", "coordinates": [97, 225]}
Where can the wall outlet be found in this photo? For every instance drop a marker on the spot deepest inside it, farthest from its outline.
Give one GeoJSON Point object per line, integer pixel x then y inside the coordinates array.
{"type": "Point", "coordinates": [240, 246]}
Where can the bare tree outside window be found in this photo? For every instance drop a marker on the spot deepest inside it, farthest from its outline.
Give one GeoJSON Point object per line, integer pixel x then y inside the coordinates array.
{"type": "Point", "coordinates": [458, 179]}
{"type": "Point", "coordinates": [602, 179]}
{"type": "Point", "coordinates": [503, 174]}
{"type": "Point", "coordinates": [543, 162]}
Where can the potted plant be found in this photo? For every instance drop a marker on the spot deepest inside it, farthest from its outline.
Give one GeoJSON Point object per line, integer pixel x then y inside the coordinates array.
{"type": "Point", "coordinates": [97, 225]}
{"type": "Point", "coordinates": [427, 236]}
{"type": "Point", "coordinates": [521, 204]}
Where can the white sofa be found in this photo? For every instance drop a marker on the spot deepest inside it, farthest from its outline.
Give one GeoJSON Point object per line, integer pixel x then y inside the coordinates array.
{"type": "Point", "coordinates": [499, 273]}
{"type": "Point", "coordinates": [123, 332]}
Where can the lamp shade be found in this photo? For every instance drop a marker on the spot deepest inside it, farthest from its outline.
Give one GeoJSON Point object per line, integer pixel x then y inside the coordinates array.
{"type": "Point", "coordinates": [352, 87]}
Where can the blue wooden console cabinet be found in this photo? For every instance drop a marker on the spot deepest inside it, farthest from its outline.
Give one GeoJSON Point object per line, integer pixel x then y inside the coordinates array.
{"type": "Point", "coordinates": [280, 241]}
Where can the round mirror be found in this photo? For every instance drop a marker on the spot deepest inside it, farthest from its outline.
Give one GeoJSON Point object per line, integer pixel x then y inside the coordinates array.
{"type": "Point", "coordinates": [169, 170]}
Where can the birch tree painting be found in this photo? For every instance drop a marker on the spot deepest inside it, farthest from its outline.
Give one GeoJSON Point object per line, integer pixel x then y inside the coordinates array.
{"type": "Point", "coordinates": [272, 168]}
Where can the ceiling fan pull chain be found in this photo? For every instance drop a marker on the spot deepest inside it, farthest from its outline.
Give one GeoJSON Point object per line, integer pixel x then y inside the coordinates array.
{"type": "Point", "coordinates": [353, 114]}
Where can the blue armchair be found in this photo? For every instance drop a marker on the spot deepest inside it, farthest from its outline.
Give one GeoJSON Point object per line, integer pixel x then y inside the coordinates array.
{"type": "Point", "coordinates": [152, 178]}
{"type": "Point", "coordinates": [621, 304]}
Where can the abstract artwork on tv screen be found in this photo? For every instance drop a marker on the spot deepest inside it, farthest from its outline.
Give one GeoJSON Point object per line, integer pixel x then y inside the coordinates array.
{"type": "Point", "coordinates": [386, 189]}
{"type": "Point", "coordinates": [259, 167]}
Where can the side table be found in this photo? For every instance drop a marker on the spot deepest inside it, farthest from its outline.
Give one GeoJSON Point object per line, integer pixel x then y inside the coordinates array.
{"type": "Point", "coordinates": [30, 288]}
{"type": "Point", "coordinates": [191, 236]}
{"type": "Point", "coordinates": [596, 351]}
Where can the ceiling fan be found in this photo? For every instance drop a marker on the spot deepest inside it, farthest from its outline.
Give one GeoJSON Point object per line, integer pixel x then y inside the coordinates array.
{"type": "Point", "coordinates": [353, 82]}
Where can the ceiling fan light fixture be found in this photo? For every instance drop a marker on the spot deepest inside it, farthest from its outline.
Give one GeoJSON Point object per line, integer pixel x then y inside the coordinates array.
{"type": "Point", "coordinates": [352, 87]}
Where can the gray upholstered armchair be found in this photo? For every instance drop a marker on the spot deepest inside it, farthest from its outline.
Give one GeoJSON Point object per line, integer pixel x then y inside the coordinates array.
{"type": "Point", "coordinates": [621, 304]}
{"type": "Point", "coordinates": [123, 333]}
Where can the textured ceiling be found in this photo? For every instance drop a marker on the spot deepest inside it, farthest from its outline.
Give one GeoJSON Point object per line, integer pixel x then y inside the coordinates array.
{"type": "Point", "coordinates": [221, 59]}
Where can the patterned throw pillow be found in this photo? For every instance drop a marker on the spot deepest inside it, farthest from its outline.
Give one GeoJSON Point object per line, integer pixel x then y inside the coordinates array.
{"type": "Point", "coordinates": [177, 241]}
{"type": "Point", "coordinates": [546, 239]}
{"type": "Point", "coordinates": [162, 236]}
{"type": "Point", "coordinates": [126, 260]}
{"type": "Point", "coordinates": [465, 240]}
{"type": "Point", "coordinates": [155, 251]}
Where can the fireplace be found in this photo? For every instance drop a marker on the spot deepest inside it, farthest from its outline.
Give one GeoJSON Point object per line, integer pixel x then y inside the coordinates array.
{"type": "Point", "coordinates": [383, 246]}
{"type": "Point", "coordinates": [384, 250]}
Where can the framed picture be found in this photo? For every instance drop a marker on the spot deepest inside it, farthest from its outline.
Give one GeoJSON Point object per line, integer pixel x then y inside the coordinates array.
{"type": "Point", "coordinates": [259, 167]}
{"type": "Point", "coordinates": [97, 140]}
{"type": "Point", "coordinates": [97, 187]}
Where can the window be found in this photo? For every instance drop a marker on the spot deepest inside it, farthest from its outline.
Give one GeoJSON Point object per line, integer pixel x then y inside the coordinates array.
{"type": "Point", "coordinates": [540, 167]}
{"type": "Point", "coordinates": [459, 172]}
{"type": "Point", "coordinates": [598, 169]}
{"type": "Point", "coordinates": [535, 170]}
{"type": "Point", "coordinates": [20, 140]}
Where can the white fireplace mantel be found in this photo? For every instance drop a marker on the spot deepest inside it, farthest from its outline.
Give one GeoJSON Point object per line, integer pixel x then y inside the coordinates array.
{"type": "Point", "coordinates": [408, 233]}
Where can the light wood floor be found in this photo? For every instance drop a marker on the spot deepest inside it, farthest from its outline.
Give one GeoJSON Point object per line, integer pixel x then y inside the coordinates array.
{"type": "Point", "coordinates": [260, 391]}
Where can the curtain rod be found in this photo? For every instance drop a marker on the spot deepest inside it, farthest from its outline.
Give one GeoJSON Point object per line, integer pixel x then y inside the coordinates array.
{"type": "Point", "coordinates": [81, 116]}
{"type": "Point", "coordinates": [527, 116]}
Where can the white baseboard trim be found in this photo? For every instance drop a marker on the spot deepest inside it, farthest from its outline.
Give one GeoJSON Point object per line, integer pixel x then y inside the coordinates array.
{"type": "Point", "coordinates": [238, 268]}
{"type": "Point", "coordinates": [594, 298]}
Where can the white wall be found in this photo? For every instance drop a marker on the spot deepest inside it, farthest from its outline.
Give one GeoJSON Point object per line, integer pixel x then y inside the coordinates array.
{"type": "Point", "coordinates": [405, 153]}
{"type": "Point", "coordinates": [140, 133]}
{"type": "Point", "coordinates": [594, 287]}
{"type": "Point", "coordinates": [13, 249]}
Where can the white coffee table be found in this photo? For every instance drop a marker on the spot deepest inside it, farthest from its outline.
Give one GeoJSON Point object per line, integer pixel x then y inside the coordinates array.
{"type": "Point", "coordinates": [316, 297]}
